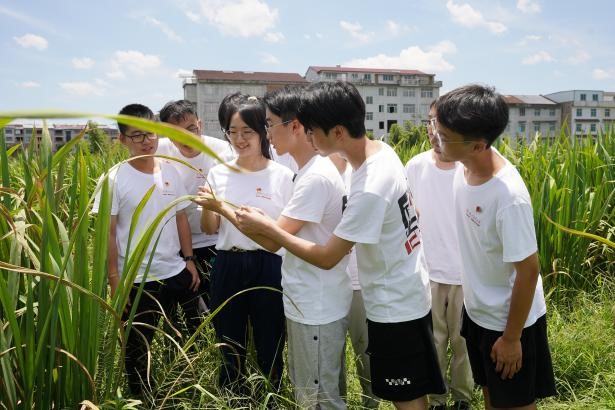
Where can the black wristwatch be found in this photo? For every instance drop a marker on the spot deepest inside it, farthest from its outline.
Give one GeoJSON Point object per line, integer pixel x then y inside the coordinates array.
{"type": "Point", "coordinates": [189, 258]}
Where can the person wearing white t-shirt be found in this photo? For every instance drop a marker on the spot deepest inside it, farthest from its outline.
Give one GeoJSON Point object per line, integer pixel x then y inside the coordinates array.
{"type": "Point", "coordinates": [430, 185]}
{"type": "Point", "coordinates": [182, 113]}
{"type": "Point", "coordinates": [504, 320]}
{"type": "Point", "coordinates": [357, 321]}
{"type": "Point", "coordinates": [382, 223]}
{"type": "Point", "coordinates": [169, 278]}
{"type": "Point", "coordinates": [241, 263]}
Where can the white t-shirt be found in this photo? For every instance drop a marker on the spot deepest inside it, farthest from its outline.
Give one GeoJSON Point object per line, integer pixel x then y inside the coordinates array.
{"type": "Point", "coordinates": [268, 189]}
{"type": "Point", "coordinates": [431, 191]}
{"type": "Point", "coordinates": [314, 296]}
{"type": "Point", "coordinates": [495, 225]}
{"type": "Point", "coordinates": [352, 269]}
{"type": "Point", "coordinates": [129, 187]}
{"type": "Point", "coordinates": [193, 180]}
{"type": "Point", "coordinates": [285, 159]}
{"type": "Point", "coordinates": [381, 221]}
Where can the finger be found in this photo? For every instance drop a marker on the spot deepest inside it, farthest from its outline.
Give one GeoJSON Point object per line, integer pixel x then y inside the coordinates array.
{"type": "Point", "coordinates": [499, 366]}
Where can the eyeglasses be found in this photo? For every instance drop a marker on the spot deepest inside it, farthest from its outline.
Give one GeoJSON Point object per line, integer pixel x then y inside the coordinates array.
{"type": "Point", "coordinates": [441, 141]}
{"type": "Point", "coordinates": [234, 134]}
{"type": "Point", "coordinates": [140, 137]}
{"type": "Point", "coordinates": [268, 127]}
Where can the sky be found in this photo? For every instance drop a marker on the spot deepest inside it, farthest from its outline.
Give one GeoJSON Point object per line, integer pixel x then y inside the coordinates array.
{"type": "Point", "coordinates": [97, 56]}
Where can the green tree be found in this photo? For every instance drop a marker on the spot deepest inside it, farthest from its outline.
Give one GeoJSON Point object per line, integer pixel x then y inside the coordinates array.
{"type": "Point", "coordinates": [98, 140]}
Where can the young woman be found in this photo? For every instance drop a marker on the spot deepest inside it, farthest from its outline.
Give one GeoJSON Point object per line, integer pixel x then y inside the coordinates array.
{"type": "Point", "coordinates": [241, 263]}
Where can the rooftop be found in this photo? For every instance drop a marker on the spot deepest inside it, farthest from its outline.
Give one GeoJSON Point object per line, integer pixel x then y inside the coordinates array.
{"type": "Point", "coordinates": [528, 99]}
{"type": "Point", "coordinates": [341, 69]}
{"type": "Point", "coordinates": [267, 77]}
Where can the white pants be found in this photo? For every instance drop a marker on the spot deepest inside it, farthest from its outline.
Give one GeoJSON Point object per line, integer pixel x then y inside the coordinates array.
{"type": "Point", "coordinates": [446, 308]}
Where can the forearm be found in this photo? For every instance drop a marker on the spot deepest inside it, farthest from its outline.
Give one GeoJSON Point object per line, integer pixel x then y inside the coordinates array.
{"type": "Point", "coordinates": [210, 222]}
{"type": "Point", "coordinates": [112, 257]}
{"type": "Point", "coordinates": [184, 233]}
{"type": "Point", "coordinates": [522, 296]}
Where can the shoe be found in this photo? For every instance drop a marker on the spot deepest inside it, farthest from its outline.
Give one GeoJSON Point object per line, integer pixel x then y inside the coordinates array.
{"type": "Point", "coordinates": [437, 407]}
{"type": "Point", "coordinates": [460, 405]}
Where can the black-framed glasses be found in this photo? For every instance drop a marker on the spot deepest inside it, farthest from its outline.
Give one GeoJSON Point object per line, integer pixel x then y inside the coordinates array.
{"type": "Point", "coordinates": [139, 138]}
{"type": "Point", "coordinates": [268, 127]}
{"type": "Point", "coordinates": [441, 141]}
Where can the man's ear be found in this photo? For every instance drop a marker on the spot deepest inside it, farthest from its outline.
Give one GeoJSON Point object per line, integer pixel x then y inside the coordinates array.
{"type": "Point", "coordinates": [199, 124]}
{"type": "Point", "coordinates": [338, 132]}
{"type": "Point", "coordinates": [479, 146]}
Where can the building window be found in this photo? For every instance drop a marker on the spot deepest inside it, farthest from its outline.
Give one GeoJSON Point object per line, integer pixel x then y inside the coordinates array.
{"type": "Point", "coordinates": [367, 77]}
{"type": "Point", "coordinates": [536, 112]}
{"type": "Point", "coordinates": [29, 131]}
{"type": "Point", "coordinates": [381, 91]}
{"type": "Point", "coordinates": [391, 108]}
{"type": "Point", "coordinates": [8, 131]}
{"type": "Point", "coordinates": [593, 127]}
{"type": "Point", "coordinates": [537, 127]}
{"type": "Point", "coordinates": [369, 116]}
{"type": "Point", "coordinates": [578, 128]}
{"type": "Point", "coordinates": [551, 126]}
{"type": "Point", "coordinates": [607, 112]}
{"type": "Point", "coordinates": [594, 97]}
{"type": "Point", "coordinates": [592, 112]}
{"type": "Point", "coordinates": [387, 77]}
{"type": "Point", "coordinates": [370, 130]}
{"type": "Point", "coordinates": [426, 93]}
{"type": "Point", "coordinates": [369, 99]}
{"type": "Point", "coordinates": [409, 93]}
{"type": "Point", "coordinates": [522, 111]}
{"type": "Point", "coordinates": [331, 76]}
{"type": "Point", "coordinates": [391, 92]}
{"type": "Point", "coordinates": [583, 97]}
{"type": "Point", "coordinates": [552, 112]}
{"type": "Point", "coordinates": [381, 125]}
{"type": "Point", "coordinates": [381, 108]}
{"type": "Point", "coordinates": [409, 108]}
{"type": "Point", "coordinates": [9, 139]}
{"type": "Point", "coordinates": [522, 127]}
{"type": "Point", "coordinates": [69, 135]}
{"type": "Point", "coordinates": [17, 132]}
{"type": "Point", "coordinates": [354, 76]}
{"type": "Point", "coordinates": [579, 112]}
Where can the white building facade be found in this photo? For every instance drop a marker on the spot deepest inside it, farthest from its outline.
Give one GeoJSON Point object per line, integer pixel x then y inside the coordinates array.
{"type": "Point", "coordinates": [585, 112]}
{"type": "Point", "coordinates": [529, 115]}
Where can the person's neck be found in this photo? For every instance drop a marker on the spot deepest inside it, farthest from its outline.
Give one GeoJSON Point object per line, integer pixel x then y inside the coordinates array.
{"type": "Point", "coordinates": [252, 163]}
{"type": "Point", "coordinates": [302, 154]}
{"type": "Point", "coordinates": [442, 164]}
{"type": "Point", "coordinates": [357, 150]}
{"type": "Point", "coordinates": [145, 165]}
{"type": "Point", "coordinates": [482, 166]}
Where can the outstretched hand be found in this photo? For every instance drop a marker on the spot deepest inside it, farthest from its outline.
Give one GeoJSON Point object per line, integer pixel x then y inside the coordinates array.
{"type": "Point", "coordinates": [207, 200]}
{"type": "Point", "coordinates": [252, 220]}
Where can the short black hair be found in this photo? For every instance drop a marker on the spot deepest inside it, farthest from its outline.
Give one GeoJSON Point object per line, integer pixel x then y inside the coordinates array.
{"type": "Point", "coordinates": [175, 111]}
{"type": "Point", "coordinates": [284, 102]}
{"type": "Point", "coordinates": [475, 111]}
{"type": "Point", "coordinates": [135, 110]}
{"type": "Point", "coordinates": [251, 110]}
{"type": "Point", "coordinates": [327, 104]}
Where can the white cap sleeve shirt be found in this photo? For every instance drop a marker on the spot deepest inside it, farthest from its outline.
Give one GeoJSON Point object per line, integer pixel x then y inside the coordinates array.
{"type": "Point", "coordinates": [381, 221]}
{"type": "Point", "coordinates": [129, 187]}
{"type": "Point", "coordinates": [193, 179]}
{"type": "Point", "coordinates": [268, 189]}
{"type": "Point", "coordinates": [431, 191]}
{"type": "Point", "coordinates": [314, 296]}
{"type": "Point", "coordinates": [495, 226]}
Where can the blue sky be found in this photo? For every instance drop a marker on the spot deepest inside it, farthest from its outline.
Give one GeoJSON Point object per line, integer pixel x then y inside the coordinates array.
{"type": "Point", "coordinates": [97, 56]}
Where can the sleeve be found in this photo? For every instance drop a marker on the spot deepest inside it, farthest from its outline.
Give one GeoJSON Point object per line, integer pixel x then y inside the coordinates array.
{"type": "Point", "coordinates": [180, 184]}
{"type": "Point", "coordinates": [411, 170]}
{"type": "Point", "coordinates": [307, 202]}
{"type": "Point", "coordinates": [164, 148]}
{"type": "Point", "coordinates": [515, 225]}
{"type": "Point", "coordinates": [114, 198]}
{"type": "Point", "coordinates": [363, 218]}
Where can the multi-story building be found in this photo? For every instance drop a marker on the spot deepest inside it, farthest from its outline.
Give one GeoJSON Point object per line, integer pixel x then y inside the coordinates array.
{"type": "Point", "coordinates": [585, 112]}
{"type": "Point", "coordinates": [207, 88]}
{"type": "Point", "coordinates": [60, 133]}
{"type": "Point", "coordinates": [391, 96]}
{"type": "Point", "coordinates": [532, 114]}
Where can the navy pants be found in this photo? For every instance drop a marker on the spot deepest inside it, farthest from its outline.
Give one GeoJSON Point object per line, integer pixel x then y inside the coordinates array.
{"type": "Point", "coordinates": [236, 271]}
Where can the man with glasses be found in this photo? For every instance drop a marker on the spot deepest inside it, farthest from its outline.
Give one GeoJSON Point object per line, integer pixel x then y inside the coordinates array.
{"type": "Point", "coordinates": [504, 317]}
{"type": "Point", "coordinates": [182, 113]}
{"type": "Point", "coordinates": [430, 185]}
{"type": "Point", "coordinates": [169, 278]}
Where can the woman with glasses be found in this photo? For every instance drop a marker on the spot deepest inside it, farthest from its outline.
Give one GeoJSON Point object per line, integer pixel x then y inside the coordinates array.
{"type": "Point", "coordinates": [241, 263]}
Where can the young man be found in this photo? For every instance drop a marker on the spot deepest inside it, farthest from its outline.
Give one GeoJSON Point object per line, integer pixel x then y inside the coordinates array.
{"type": "Point", "coordinates": [316, 301]}
{"type": "Point", "coordinates": [504, 320]}
{"type": "Point", "coordinates": [380, 220]}
{"type": "Point", "coordinates": [430, 184]}
{"type": "Point", "coordinates": [182, 113]}
{"type": "Point", "coordinates": [170, 278]}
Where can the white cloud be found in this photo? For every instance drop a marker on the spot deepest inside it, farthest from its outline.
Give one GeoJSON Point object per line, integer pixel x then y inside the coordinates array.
{"type": "Point", "coordinates": [307, 37]}
{"type": "Point", "coordinates": [134, 62]}
{"type": "Point", "coordinates": [529, 38]}
{"type": "Point", "coordinates": [83, 88]}
{"type": "Point", "coordinates": [581, 56]}
{"type": "Point", "coordinates": [274, 37]}
{"type": "Point", "coordinates": [32, 40]}
{"type": "Point", "coordinates": [528, 6]}
{"type": "Point", "coordinates": [539, 57]}
{"type": "Point", "coordinates": [28, 84]}
{"type": "Point", "coordinates": [238, 18]}
{"type": "Point", "coordinates": [182, 73]}
{"type": "Point", "coordinates": [166, 30]}
{"type": "Point", "coordinates": [82, 63]}
{"type": "Point", "coordinates": [601, 74]}
{"type": "Point", "coordinates": [319, 36]}
{"type": "Point", "coordinates": [430, 60]}
{"type": "Point", "coordinates": [394, 28]}
{"type": "Point", "coordinates": [269, 59]}
{"type": "Point", "coordinates": [466, 16]}
{"type": "Point", "coordinates": [355, 31]}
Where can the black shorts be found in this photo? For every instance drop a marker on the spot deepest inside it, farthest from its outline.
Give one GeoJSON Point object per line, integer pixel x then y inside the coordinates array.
{"type": "Point", "coordinates": [403, 360]}
{"type": "Point", "coordinates": [535, 379]}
